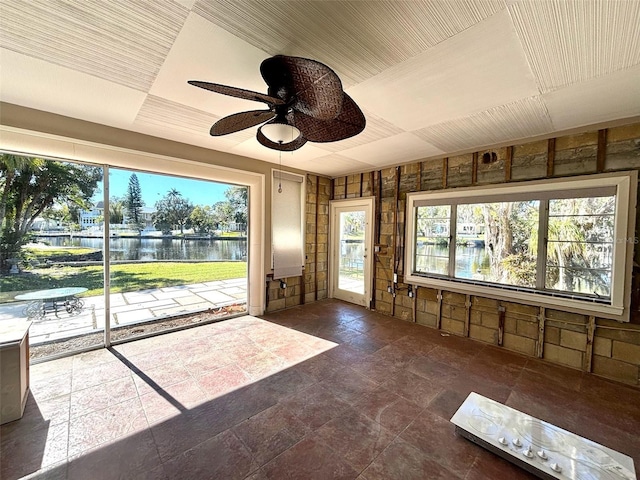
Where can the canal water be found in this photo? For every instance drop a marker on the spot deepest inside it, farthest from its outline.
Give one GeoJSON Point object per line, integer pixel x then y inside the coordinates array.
{"type": "Point", "coordinates": [471, 262]}
{"type": "Point", "coordinates": [162, 249]}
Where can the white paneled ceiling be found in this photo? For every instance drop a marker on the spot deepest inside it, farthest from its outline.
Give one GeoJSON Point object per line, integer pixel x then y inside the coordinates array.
{"type": "Point", "coordinates": [434, 78]}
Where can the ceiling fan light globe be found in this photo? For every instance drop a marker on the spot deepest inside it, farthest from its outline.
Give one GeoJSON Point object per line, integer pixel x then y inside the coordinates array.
{"type": "Point", "coordinates": [280, 132]}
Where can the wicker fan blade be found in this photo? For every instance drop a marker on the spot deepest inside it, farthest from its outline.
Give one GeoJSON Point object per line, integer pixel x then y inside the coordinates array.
{"type": "Point", "coordinates": [237, 92]}
{"type": "Point", "coordinates": [314, 88]}
{"type": "Point", "coordinates": [240, 121]}
{"type": "Point", "coordinates": [350, 122]}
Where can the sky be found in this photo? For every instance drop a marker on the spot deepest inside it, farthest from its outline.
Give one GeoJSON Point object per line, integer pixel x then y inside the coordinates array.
{"type": "Point", "coordinates": [154, 186]}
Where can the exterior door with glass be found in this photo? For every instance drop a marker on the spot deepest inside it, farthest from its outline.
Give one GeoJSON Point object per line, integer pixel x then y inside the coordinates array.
{"type": "Point", "coordinates": [351, 250]}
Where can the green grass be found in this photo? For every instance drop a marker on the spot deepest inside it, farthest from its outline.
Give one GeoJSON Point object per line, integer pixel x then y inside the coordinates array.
{"type": "Point", "coordinates": [124, 278]}
{"type": "Point", "coordinates": [232, 234]}
{"type": "Point", "coordinates": [42, 254]}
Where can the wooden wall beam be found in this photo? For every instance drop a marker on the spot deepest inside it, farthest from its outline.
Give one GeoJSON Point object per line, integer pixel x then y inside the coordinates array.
{"type": "Point", "coordinates": [394, 258]}
{"type": "Point", "coordinates": [541, 323]}
{"type": "Point", "coordinates": [419, 178]}
{"type": "Point", "coordinates": [502, 313]}
{"type": "Point", "coordinates": [415, 304]}
{"type": "Point", "coordinates": [439, 311]}
{"type": "Point", "coordinates": [346, 179]}
{"type": "Point", "coordinates": [315, 259]}
{"type": "Point", "coordinates": [371, 180]}
{"type": "Point", "coordinates": [602, 150]}
{"type": "Point", "coordinates": [551, 156]}
{"type": "Point", "coordinates": [445, 171]}
{"type": "Point", "coordinates": [361, 182]}
{"type": "Point", "coordinates": [376, 192]}
{"type": "Point", "coordinates": [507, 164]}
{"type": "Point", "coordinates": [588, 356]}
{"type": "Point", "coordinates": [378, 205]}
{"type": "Point", "coordinates": [467, 318]}
{"type": "Point", "coordinates": [474, 168]}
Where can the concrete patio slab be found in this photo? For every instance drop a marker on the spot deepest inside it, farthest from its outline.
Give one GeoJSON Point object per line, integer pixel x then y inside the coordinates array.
{"type": "Point", "coordinates": [189, 299]}
{"type": "Point", "coordinates": [161, 294]}
{"type": "Point", "coordinates": [128, 308]}
{"type": "Point", "coordinates": [137, 297]}
{"type": "Point", "coordinates": [132, 316]}
{"type": "Point", "coordinates": [216, 296]}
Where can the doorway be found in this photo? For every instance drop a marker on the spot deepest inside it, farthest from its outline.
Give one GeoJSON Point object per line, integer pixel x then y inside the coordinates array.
{"type": "Point", "coordinates": [350, 253]}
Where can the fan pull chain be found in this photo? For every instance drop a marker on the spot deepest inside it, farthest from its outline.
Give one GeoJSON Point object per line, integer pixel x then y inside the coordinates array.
{"type": "Point", "coordinates": [280, 171]}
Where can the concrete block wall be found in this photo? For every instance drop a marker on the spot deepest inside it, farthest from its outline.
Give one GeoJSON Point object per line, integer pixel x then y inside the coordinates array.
{"type": "Point", "coordinates": [591, 344]}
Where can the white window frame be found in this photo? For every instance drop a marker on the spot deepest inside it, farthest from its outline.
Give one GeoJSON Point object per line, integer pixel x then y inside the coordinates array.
{"type": "Point", "coordinates": [617, 307]}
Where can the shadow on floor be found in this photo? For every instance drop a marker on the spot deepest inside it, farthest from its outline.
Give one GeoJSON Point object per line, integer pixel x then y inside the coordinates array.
{"type": "Point", "coordinates": [377, 404]}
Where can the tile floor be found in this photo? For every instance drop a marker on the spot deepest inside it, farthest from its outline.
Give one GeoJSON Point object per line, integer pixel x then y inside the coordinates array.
{"type": "Point", "coordinates": [323, 391]}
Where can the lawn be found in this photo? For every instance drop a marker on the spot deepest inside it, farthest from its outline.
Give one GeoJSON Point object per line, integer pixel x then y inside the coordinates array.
{"type": "Point", "coordinates": [124, 277]}
{"type": "Point", "coordinates": [42, 253]}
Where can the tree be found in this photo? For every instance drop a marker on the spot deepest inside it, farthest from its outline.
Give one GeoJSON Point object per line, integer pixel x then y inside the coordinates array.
{"type": "Point", "coordinates": [133, 202]}
{"type": "Point", "coordinates": [31, 186]}
{"type": "Point", "coordinates": [498, 236]}
{"type": "Point", "coordinates": [223, 214]}
{"type": "Point", "coordinates": [202, 219]}
{"type": "Point", "coordinates": [172, 210]}
{"type": "Point", "coordinates": [117, 209]}
{"type": "Point", "coordinates": [237, 198]}
{"type": "Point", "coordinates": [578, 249]}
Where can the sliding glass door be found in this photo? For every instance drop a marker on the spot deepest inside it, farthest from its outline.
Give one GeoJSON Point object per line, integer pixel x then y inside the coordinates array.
{"type": "Point", "coordinates": [172, 250]}
{"type": "Point", "coordinates": [177, 252]}
{"type": "Point", "coordinates": [47, 274]}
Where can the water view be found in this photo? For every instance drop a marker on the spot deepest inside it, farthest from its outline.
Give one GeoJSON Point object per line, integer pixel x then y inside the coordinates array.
{"type": "Point", "coordinates": [471, 262]}
{"type": "Point", "coordinates": [160, 249]}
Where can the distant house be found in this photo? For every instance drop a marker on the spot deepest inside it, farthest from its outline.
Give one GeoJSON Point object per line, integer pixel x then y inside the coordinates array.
{"type": "Point", "coordinates": [93, 217]}
{"type": "Point", "coordinates": [46, 225]}
{"type": "Point", "coordinates": [147, 217]}
{"type": "Point", "coordinates": [237, 227]}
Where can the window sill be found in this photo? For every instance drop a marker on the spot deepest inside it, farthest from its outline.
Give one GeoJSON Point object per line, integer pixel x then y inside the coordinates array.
{"type": "Point", "coordinates": [584, 307]}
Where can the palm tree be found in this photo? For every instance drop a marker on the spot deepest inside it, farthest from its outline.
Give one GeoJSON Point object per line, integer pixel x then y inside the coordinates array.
{"type": "Point", "coordinates": [565, 248]}
{"type": "Point", "coordinates": [10, 166]}
{"type": "Point", "coordinates": [498, 237]}
{"type": "Point", "coordinates": [116, 212]}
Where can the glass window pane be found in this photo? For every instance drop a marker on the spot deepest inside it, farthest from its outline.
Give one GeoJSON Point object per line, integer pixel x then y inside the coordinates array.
{"type": "Point", "coordinates": [177, 252]}
{"type": "Point", "coordinates": [351, 261]}
{"type": "Point", "coordinates": [580, 245]}
{"type": "Point", "coordinates": [497, 242]}
{"type": "Point", "coordinates": [46, 274]}
{"type": "Point", "coordinates": [432, 239]}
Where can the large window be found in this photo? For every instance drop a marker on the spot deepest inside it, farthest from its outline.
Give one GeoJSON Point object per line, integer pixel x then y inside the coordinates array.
{"type": "Point", "coordinates": [93, 254]}
{"type": "Point", "coordinates": [559, 243]}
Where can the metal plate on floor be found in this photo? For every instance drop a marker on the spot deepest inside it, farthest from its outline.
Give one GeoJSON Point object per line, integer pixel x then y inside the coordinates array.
{"type": "Point", "coordinates": [539, 447]}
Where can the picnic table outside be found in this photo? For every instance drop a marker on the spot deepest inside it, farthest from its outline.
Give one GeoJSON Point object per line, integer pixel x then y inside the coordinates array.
{"type": "Point", "coordinates": [42, 301]}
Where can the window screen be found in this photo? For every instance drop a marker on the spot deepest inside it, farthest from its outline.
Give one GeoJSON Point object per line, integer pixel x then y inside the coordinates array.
{"type": "Point", "coordinates": [286, 224]}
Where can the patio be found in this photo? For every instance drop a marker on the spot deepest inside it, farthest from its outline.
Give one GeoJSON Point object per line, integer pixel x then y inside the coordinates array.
{"type": "Point", "coordinates": [130, 308]}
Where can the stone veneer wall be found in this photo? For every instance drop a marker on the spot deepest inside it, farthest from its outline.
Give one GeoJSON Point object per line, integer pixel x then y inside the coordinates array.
{"type": "Point", "coordinates": [603, 347]}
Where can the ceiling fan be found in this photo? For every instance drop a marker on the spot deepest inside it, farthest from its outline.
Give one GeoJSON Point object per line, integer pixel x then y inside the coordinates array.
{"type": "Point", "coordinates": [306, 103]}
